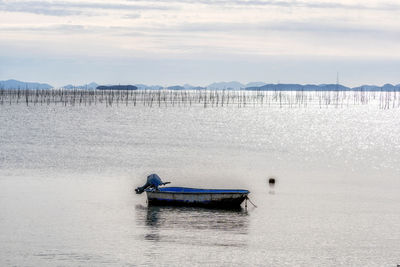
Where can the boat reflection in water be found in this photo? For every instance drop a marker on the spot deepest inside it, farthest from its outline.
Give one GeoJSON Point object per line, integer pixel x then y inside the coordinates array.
{"type": "Point", "coordinates": [193, 225]}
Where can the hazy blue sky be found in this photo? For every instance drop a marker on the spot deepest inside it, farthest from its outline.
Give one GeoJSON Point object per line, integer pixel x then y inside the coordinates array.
{"type": "Point", "coordinates": [171, 42]}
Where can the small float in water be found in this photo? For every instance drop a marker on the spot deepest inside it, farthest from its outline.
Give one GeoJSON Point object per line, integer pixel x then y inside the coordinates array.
{"type": "Point", "coordinates": [184, 196]}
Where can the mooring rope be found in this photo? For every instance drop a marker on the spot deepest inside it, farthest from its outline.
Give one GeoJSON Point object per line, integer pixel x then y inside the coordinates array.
{"type": "Point", "coordinates": [247, 198]}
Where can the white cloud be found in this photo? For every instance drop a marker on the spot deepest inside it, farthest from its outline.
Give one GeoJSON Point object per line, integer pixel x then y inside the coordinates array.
{"type": "Point", "coordinates": [69, 8]}
{"type": "Point", "coordinates": [182, 29]}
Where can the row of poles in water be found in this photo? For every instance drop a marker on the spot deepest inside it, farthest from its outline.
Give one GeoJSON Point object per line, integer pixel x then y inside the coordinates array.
{"type": "Point", "coordinates": [205, 98]}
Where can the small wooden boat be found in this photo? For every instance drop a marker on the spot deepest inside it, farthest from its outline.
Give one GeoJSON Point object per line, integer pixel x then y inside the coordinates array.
{"type": "Point", "coordinates": [183, 196]}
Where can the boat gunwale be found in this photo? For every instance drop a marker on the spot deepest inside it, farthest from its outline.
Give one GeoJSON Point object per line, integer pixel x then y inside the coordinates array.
{"type": "Point", "coordinates": [200, 191]}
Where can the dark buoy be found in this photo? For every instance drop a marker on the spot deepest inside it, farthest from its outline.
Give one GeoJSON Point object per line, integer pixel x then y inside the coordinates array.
{"type": "Point", "coordinates": [271, 182]}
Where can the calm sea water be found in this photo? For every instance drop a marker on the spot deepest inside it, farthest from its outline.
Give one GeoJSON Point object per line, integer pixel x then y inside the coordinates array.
{"type": "Point", "coordinates": [67, 176]}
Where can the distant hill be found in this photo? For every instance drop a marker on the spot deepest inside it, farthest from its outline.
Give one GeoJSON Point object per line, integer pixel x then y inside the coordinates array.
{"type": "Point", "coordinates": [191, 87]}
{"type": "Point", "coordinates": [91, 86]}
{"type": "Point", "coordinates": [226, 85]}
{"type": "Point", "coordinates": [300, 87]}
{"type": "Point", "coordinates": [367, 88]}
{"type": "Point", "coordinates": [116, 87]}
{"type": "Point", "coordinates": [148, 87]}
{"type": "Point", "coordinates": [386, 87]}
{"type": "Point", "coordinates": [14, 84]}
{"type": "Point", "coordinates": [255, 84]}
{"type": "Point", "coordinates": [94, 85]}
{"type": "Point", "coordinates": [175, 87]}
{"type": "Point", "coordinates": [188, 86]}
{"type": "Point", "coordinates": [233, 85]}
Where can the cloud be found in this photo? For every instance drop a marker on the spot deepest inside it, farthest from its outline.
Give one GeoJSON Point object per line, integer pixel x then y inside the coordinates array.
{"type": "Point", "coordinates": [66, 8]}
{"type": "Point", "coordinates": [132, 16]}
{"type": "Point", "coordinates": [41, 8]}
{"type": "Point", "coordinates": [281, 3]}
{"type": "Point", "coordinates": [286, 26]}
{"type": "Point", "coordinates": [59, 28]}
{"type": "Point", "coordinates": [172, 27]}
{"type": "Point", "coordinates": [72, 8]}
{"type": "Point", "coordinates": [247, 29]}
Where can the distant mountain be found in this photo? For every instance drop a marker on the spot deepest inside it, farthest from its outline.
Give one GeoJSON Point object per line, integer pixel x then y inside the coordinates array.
{"type": "Point", "coordinates": [226, 85]}
{"type": "Point", "coordinates": [367, 88]}
{"type": "Point", "coordinates": [116, 87]}
{"type": "Point", "coordinates": [233, 85]}
{"type": "Point", "coordinates": [277, 87]}
{"type": "Point", "coordinates": [185, 87]}
{"type": "Point", "coordinates": [91, 85]}
{"type": "Point", "coordinates": [94, 85]}
{"type": "Point", "coordinates": [14, 84]}
{"type": "Point", "coordinates": [149, 87]}
{"type": "Point", "coordinates": [176, 87]}
{"type": "Point", "coordinates": [299, 87]}
{"type": "Point", "coordinates": [188, 86]}
{"type": "Point", "coordinates": [255, 84]}
{"type": "Point", "coordinates": [191, 87]}
{"type": "Point", "coordinates": [386, 87]}
{"type": "Point", "coordinates": [333, 87]}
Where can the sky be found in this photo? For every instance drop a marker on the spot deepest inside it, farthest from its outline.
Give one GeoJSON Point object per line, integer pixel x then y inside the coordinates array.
{"type": "Point", "coordinates": [170, 42]}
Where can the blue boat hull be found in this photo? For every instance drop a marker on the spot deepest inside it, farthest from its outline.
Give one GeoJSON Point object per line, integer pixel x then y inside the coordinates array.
{"type": "Point", "coordinates": [181, 196]}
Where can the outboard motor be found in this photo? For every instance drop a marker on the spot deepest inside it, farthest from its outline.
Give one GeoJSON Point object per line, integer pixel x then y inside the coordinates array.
{"type": "Point", "coordinates": [153, 181]}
